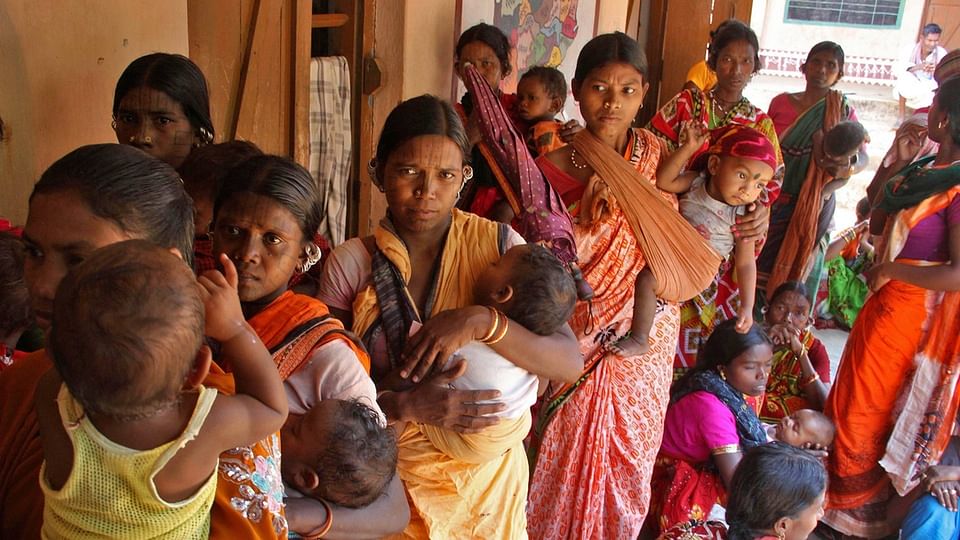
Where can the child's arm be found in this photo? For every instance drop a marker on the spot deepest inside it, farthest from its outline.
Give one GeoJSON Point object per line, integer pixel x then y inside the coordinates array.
{"type": "Point", "coordinates": [669, 177]}
{"type": "Point", "coordinates": [259, 407]}
{"type": "Point", "coordinates": [57, 448]}
{"type": "Point", "coordinates": [746, 264]}
{"type": "Point", "coordinates": [644, 311]}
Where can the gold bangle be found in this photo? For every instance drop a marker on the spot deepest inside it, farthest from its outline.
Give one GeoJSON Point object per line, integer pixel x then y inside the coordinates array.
{"type": "Point", "coordinates": [814, 378]}
{"type": "Point", "coordinates": [494, 324]}
{"type": "Point", "coordinates": [323, 529]}
{"type": "Point", "coordinates": [501, 334]}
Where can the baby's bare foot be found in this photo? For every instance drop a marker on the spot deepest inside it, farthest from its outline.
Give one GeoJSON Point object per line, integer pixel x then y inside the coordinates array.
{"type": "Point", "coordinates": [631, 345]}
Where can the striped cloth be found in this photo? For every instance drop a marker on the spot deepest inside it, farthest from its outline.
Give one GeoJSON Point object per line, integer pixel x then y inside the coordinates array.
{"type": "Point", "coordinates": [331, 141]}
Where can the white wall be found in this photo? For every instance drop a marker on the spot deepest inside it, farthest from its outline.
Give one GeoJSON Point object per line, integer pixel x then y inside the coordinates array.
{"type": "Point", "coordinates": [774, 33]}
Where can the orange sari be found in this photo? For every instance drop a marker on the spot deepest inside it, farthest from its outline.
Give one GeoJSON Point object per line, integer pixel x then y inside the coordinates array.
{"type": "Point", "coordinates": [596, 453]}
{"type": "Point", "coordinates": [236, 513]}
{"type": "Point", "coordinates": [894, 399]}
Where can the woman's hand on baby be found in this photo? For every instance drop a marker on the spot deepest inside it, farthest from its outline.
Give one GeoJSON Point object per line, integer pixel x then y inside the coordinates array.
{"type": "Point", "coordinates": [433, 402]}
{"type": "Point", "coordinates": [816, 450]}
{"type": "Point", "coordinates": [754, 224]}
{"type": "Point", "coordinates": [569, 130]}
{"type": "Point", "coordinates": [440, 337]}
{"type": "Point", "coordinates": [221, 302]}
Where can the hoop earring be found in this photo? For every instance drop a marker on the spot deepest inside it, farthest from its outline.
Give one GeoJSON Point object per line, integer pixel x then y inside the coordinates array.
{"type": "Point", "coordinates": [372, 173]}
{"type": "Point", "coordinates": [940, 124]}
{"type": "Point", "coordinates": [312, 256]}
{"type": "Point", "coordinates": [113, 124]}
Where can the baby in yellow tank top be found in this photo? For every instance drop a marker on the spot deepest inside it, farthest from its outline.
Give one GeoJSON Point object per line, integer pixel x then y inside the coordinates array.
{"type": "Point", "coordinates": [130, 437]}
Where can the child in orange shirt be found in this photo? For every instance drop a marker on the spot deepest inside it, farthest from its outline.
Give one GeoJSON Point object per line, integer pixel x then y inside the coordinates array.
{"type": "Point", "coordinates": [541, 94]}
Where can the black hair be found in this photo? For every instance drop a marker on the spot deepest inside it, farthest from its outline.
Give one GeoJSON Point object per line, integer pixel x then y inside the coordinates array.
{"type": "Point", "coordinates": [606, 49]}
{"type": "Point", "coordinates": [139, 193]}
{"type": "Point", "coordinates": [127, 324]}
{"type": "Point", "coordinates": [492, 37]}
{"type": "Point", "coordinates": [544, 293]}
{"type": "Point", "coordinates": [713, 33]}
{"type": "Point", "coordinates": [772, 481]}
{"type": "Point", "coordinates": [731, 31]}
{"type": "Point", "coordinates": [948, 101]}
{"type": "Point", "coordinates": [552, 79]}
{"type": "Point", "coordinates": [360, 460]}
{"type": "Point", "coordinates": [204, 169]}
{"type": "Point", "coordinates": [931, 28]}
{"type": "Point", "coordinates": [280, 179]}
{"type": "Point", "coordinates": [176, 76]}
{"type": "Point", "coordinates": [845, 137]}
{"type": "Point", "coordinates": [833, 48]}
{"type": "Point", "coordinates": [416, 117]}
{"type": "Point", "coordinates": [790, 286]}
{"type": "Point", "coordinates": [15, 312]}
{"type": "Point", "coordinates": [722, 347]}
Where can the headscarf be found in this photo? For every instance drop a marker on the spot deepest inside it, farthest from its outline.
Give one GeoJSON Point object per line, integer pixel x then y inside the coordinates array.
{"type": "Point", "coordinates": [739, 141]}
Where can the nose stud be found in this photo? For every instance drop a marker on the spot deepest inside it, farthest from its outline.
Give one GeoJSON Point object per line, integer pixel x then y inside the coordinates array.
{"type": "Point", "coordinates": [418, 193]}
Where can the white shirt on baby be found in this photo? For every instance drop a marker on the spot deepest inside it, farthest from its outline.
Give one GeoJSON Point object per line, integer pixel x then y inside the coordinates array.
{"type": "Point", "coordinates": [488, 370]}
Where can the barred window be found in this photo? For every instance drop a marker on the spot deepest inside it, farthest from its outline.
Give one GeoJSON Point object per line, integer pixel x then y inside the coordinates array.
{"type": "Point", "coordinates": [874, 13]}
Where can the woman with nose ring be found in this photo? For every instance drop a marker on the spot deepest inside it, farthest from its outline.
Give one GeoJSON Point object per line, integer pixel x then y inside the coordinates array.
{"type": "Point", "coordinates": [734, 57]}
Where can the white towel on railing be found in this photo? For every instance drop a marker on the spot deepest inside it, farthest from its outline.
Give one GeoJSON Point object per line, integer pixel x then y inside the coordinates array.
{"type": "Point", "coordinates": [331, 141]}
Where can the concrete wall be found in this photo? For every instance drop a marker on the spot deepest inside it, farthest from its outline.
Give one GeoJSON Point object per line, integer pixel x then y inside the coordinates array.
{"type": "Point", "coordinates": [59, 62]}
{"type": "Point", "coordinates": [767, 20]}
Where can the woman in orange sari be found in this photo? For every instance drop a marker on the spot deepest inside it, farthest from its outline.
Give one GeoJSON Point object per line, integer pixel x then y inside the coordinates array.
{"type": "Point", "coordinates": [598, 437]}
{"type": "Point", "coordinates": [264, 219]}
{"type": "Point", "coordinates": [894, 401]}
{"type": "Point", "coordinates": [93, 197]}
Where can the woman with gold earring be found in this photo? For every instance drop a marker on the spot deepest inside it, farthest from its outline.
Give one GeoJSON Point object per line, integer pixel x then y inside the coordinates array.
{"type": "Point", "coordinates": [161, 106]}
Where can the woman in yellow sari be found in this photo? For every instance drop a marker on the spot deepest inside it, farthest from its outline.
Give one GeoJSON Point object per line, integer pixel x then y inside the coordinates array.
{"type": "Point", "coordinates": [420, 266]}
{"type": "Point", "coordinates": [894, 400]}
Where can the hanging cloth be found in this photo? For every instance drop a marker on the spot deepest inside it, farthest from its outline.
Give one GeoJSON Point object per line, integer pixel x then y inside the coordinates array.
{"type": "Point", "coordinates": [331, 142]}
